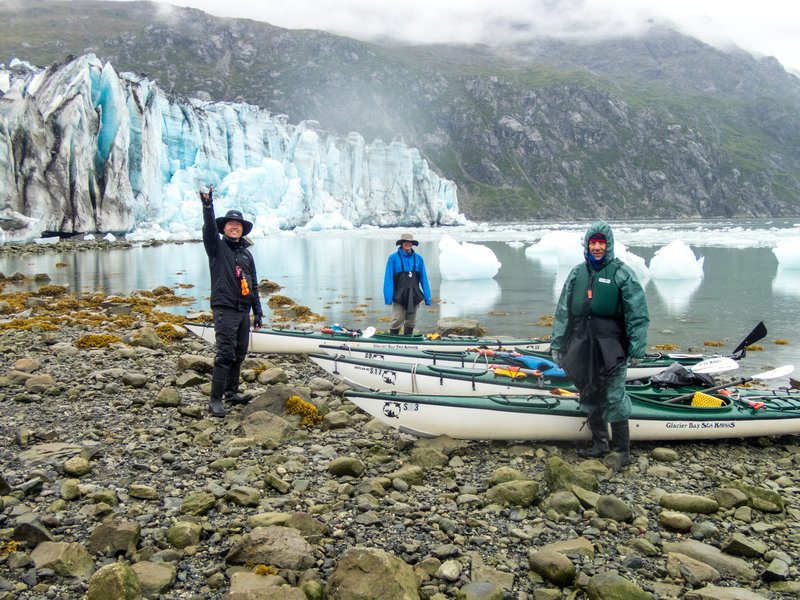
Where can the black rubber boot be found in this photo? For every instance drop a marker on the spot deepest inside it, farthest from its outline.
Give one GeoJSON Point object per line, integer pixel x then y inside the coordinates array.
{"type": "Point", "coordinates": [621, 443]}
{"type": "Point", "coordinates": [394, 331]}
{"type": "Point", "coordinates": [217, 389]}
{"type": "Point", "coordinates": [232, 394]}
{"type": "Point", "coordinates": [599, 429]}
{"type": "Point", "coordinates": [407, 331]}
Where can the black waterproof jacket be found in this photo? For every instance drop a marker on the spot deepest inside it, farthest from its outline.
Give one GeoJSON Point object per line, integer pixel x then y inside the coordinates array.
{"type": "Point", "coordinates": [229, 263]}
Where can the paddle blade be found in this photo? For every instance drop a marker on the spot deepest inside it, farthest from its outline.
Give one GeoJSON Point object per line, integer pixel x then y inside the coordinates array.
{"type": "Point", "coordinates": [716, 364]}
{"type": "Point", "coordinates": [775, 373]}
{"type": "Point", "coordinates": [759, 331]}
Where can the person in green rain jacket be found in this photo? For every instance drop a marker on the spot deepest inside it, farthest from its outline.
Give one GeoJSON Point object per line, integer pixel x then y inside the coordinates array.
{"type": "Point", "coordinates": [600, 324]}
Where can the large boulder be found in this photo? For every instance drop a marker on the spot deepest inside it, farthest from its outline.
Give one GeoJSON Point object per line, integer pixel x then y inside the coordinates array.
{"type": "Point", "coordinates": [368, 573]}
{"type": "Point", "coordinates": [282, 547]}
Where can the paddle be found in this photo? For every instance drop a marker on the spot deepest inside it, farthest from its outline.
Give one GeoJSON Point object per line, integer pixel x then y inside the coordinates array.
{"type": "Point", "coordinates": [759, 331]}
{"type": "Point", "coordinates": [715, 364]}
{"type": "Point", "coordinates": [773, 374]}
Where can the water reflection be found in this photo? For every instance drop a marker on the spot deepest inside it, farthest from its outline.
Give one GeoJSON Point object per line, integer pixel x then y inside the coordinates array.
{"type": "Point", "coordinates": [786, 281]}
{"type": "Point", "coordinates": [468, 298]}
{"type": "Point", "coordinates": [676, 293]}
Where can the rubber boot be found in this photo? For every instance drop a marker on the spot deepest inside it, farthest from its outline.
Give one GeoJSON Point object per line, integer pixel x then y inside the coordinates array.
{"type": "Point", "coordinates": [394, 331]}
{"type": "Point", "coordinates": [408, 331]}
{"type": "Point", "coordinates": [599, 429]}
{"type": "Point", "coordinates": [217, 388]}
{"type": "Point", "coordinates": [620, 443]}
{"type": "Point", "coordinates": [232, 394]}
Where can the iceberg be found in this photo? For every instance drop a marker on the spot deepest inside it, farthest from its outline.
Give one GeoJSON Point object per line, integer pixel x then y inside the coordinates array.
{"type": "Point", "coordinates": [87, 150]}
{"type": "Point", "coordinates": [466, 261]}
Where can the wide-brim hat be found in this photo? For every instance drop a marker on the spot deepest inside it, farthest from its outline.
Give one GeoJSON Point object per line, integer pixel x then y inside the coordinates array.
{"type": "Point", "coordinates": [406, 237]}
{"type": "Point", "coordinates": [233, 215]}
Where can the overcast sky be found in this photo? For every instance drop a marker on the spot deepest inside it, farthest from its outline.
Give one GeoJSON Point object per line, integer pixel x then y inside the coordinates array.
{"type": "Point", "coordinates": [762, 27]}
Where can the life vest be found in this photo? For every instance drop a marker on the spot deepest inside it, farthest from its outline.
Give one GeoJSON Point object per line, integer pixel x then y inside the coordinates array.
{"type": "Point", "coordinates": [596, 293]}
{"type": "Point", "coordinates": [407, 291]}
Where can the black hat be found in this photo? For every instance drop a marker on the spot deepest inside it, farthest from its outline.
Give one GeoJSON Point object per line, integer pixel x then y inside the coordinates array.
{"type": "Point", "coordinates": [406, 237]}
{"type": "Point", "coordinates": [233, 215]}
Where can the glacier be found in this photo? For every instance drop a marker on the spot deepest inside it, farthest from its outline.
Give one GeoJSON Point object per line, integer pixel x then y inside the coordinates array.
{"type": "Point", "coordinates": [87, 150]}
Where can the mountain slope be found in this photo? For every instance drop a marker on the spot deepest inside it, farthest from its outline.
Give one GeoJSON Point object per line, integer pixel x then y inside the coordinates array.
{"type": "Point", "coordinates": [661, 126]}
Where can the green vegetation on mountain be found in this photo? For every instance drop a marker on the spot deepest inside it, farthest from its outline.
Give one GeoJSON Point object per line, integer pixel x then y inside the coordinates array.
{"type": "Point", "coordinates": [661, 126]}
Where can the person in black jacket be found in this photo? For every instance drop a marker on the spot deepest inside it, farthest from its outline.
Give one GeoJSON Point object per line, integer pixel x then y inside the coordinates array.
{"type": "Point", "coordinates": [234, 292]}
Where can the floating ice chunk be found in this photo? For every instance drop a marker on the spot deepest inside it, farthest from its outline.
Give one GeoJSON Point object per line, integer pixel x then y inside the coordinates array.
{"type": "Point", "coordinates": [558, 247]}
{"type": "Point", "coordinates": [787, 253]}
{"type": "Point", "coordinates": [634, 261]}
{"type": "Point", "coordinates": [466, 261]}
{"type": "Point", "coordinates": [676, 261]}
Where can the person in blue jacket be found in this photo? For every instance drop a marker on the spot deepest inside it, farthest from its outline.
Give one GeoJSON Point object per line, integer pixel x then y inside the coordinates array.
{"type": "Point", "coordinates": [600, 324]}
{"type": "Point", "coordinates": [405, 285]}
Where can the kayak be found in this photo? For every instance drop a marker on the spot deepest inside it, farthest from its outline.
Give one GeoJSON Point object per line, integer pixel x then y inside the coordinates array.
{"type": "Point", "coordinates": [651, 364]}
{"type": "Point", "coordinates": [375, 375]}
{"type": "Point", "coordinates": [559, 417]}
{"type": "Point", "coordinates": [413, 378]}
{"type": "Point", "coordinates": [297, 341]}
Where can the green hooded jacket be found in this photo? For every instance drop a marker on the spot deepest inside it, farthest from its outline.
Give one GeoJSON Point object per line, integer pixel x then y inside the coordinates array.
{"type": "Point", "coordinates": [632, 305]}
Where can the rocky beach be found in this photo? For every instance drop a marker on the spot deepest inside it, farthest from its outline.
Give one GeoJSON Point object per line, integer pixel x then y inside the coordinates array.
{"type": "Point", "coordinates": [115, 482]}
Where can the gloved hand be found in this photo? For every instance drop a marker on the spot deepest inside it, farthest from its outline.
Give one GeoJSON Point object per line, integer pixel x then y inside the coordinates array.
{"type": "Point", "coordinates": [634, 362]}
{"type": "Point", "coordinates": [208, 198]}
{"type": "Point", "coordinates": [556, 356]}
{"type": "Point", "coordinates": [257, 321]}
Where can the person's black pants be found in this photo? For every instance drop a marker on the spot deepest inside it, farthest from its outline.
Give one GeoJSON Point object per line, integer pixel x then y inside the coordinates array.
{"type": "Point", "coordinates": [232, 333]}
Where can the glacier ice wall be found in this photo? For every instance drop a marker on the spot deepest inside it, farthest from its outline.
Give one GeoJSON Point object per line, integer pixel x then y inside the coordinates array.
{"type": "Point", "coordinates": [86, 149]}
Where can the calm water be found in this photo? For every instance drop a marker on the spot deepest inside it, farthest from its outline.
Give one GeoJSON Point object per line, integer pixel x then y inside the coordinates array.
{"type": "Point", "coordinates": [337, 273]}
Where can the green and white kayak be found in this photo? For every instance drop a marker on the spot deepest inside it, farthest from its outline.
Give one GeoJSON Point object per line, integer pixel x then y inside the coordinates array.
{"type": "Point", "coordinates": [411, 378]}
{"type": "Point", "coordinates": [297, 341]}
{"type": "Point", "coordinates": [651, 365]}
{"type": "Point", "coordinates": [745, 413]}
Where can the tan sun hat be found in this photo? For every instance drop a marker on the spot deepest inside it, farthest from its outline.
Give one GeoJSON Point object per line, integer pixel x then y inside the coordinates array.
{"type": "Point", "coordinates": [406, 237]}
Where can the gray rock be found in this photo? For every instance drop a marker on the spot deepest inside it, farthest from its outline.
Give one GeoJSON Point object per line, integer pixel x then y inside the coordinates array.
{"type": "Point", "coordinates": [727, 565]}
{"type": "Point", "coordinates": [677, 521]}
{"type": "Point", "coordinates": [712, 592]}
{"type": "Point", "coordinates": [346, 466]}
{"type": "Point", "coordinates": [371, 573]}
{"type": "Point", "coordinates": [282, 547]}
{"type": "Point", "coordinates": [114, 537]}
{"type": "Point", "coordinates": [480, 590]}
{"type": "Point", "coordinates": [740, 545]}
{"type": "Point", "coordinates": [516, 493]}
{"type": "Point", "coordinates": [155, 578]}
{"type": "Point", "coordinates": [553, 567]}
{"type": "Point", "coordinates": [117, 581]}
{"type": "Point", "coordinates": [30, 530]}
{"type": "Point", "coordinates": [69, 559]}
{"type": "Point", "coordinates": [197, 503]}
{"type": "Point", "coordinates": [611, 586]}
{"type": "Point", "coordinates": [689, 503]}
{"type": "Point", "coordinates": [184, 533]}
{"type": "Point", "coordinates": [611, 507]}
{"type": "Point", "coordinates": [694, 572]}
{"type": "Point", "coordinates": [560, 475]}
